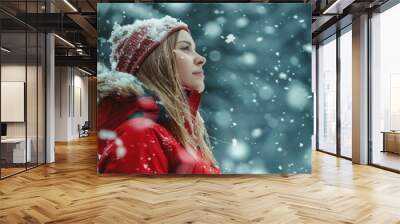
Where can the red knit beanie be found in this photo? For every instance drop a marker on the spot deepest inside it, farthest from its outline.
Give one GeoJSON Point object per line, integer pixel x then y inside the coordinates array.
{"type": "Point", "coordinates": [131, 44]}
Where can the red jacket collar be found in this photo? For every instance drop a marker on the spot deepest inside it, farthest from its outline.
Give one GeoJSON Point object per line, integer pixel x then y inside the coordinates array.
{"type": "Point", "coordinates": [194, 99]}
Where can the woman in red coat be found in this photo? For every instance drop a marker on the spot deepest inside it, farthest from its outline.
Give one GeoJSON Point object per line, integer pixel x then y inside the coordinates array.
{"type": "Point", "coordinates": [148, 103]}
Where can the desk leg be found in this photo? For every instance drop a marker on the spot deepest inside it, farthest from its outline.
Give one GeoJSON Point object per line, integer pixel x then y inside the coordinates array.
{"type": "Point", "coordinates": [384, 142]}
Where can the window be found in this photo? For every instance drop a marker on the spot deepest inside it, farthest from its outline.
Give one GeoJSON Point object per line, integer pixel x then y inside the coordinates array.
{"type": "Point", "coordinates": [385, 89]}
{"type": "Point", "coordinates": [346, 93]}
{"type": "Point", "coordinates": [327, 96]}
{"type": "Point", "coordinates": [22, 76]}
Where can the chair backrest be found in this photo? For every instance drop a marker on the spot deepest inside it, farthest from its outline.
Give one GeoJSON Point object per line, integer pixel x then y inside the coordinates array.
{"type": "Point", "coordinates": [86, 125]}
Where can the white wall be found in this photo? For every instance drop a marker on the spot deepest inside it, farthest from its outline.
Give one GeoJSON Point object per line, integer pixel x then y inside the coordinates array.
{"type": "Point", "coordinates": [71, 93]}
{"type": "Point", "coordinates": [61, 103]}
{"type": "Point", "coordinates": [16, 73]}
{"type": "Point", "coordinates": [80, 115]}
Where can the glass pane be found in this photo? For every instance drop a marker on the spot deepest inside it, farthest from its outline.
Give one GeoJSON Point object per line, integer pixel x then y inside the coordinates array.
{"type": "Point", "coordinates": [13, 86]}
{"type": "Point", "coordinates": [31, 85]}
{"type": "Point", "coordinates": [346, 94]}
{"type": "Point", "coordinates": [386, 89]}
{"type": "Point", "coordinates": [41, 98]}
{"type": "Point", "coordinates": [31, 97]}
{"type": "Point", "coordinates": [327, 97]}
{"type": "Point", "coordinates": [23, 80]}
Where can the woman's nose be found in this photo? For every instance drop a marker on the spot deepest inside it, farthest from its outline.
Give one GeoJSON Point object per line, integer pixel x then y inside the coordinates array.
{"type": "Point", "coordinates": [200, 60]}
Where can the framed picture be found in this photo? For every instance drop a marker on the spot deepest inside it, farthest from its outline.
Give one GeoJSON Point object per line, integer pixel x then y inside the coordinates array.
{"type": "Point", "coordinates": [204, 88]}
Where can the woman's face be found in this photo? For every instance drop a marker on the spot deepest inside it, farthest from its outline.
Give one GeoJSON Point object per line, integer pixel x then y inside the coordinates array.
{"type": "Point", "coordinates": [189, 62]}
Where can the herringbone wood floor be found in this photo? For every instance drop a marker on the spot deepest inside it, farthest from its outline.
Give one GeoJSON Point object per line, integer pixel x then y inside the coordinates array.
{"type": "Point", "coordinates": [70, 191]}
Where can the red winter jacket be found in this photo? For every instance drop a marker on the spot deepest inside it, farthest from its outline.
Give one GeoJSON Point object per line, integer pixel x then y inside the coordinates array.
{"type": "Point", "coordinates": [132, 138]}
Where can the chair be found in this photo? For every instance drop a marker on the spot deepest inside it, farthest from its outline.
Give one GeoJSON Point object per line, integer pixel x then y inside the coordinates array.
{"type": "Point", "coordinates": [84, 130]}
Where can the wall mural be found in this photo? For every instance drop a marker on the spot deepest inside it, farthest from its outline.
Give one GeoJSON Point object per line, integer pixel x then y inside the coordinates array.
{"type": "Point", "coordinates": [196, 88]}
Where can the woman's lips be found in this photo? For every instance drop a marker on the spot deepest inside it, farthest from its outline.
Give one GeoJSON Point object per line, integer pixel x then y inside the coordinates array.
{"type": "Point", "coordinates": [201, 74]}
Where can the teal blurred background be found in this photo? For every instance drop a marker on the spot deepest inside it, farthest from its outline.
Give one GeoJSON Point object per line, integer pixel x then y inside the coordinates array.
{"type": "Point", "coordinates": [258, 104]}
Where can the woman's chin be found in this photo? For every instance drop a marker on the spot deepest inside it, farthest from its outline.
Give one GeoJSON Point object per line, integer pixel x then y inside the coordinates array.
{"type": "Point", "coordinates": [199, 87]}
{"type": "Point", "coordinates": [200, 90]}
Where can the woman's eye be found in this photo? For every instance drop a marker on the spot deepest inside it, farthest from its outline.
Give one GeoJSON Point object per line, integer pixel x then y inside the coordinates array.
{"type": "Point", "coordinates": [185, 48]}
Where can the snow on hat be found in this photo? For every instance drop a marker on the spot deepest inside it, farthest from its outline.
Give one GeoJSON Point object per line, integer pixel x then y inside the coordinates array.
{"type": "Point", "coordinates": [131, 44]}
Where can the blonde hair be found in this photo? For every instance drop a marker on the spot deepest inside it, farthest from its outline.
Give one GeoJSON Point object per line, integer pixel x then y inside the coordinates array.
{"type": "Point", "coordinates": [158, 73]}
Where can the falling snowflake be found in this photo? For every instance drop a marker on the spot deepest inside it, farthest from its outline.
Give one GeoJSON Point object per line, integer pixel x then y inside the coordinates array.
{"type": "Point", "coordinates": [212, 30]}
{"type": "Point", "coordinates": [234, 142]}
{"type": "Point", "coordinates": [121, 151]}
{"type": "Point", "coordinates": [215, 55]}
{"type": "Point", "coordinates": [248, 58]}
{"type": "Point", "coordinates": [256, 133]}
{"type": "Point", "coordinates": [242, 22]}
{"type": "Point", "coordinates": [282, 75]}
{"type": "Point", "coordinates": [294, 60]}
{"type": "Point", "coordinates": [269, 30]}
{"type": "Point", "coordinates": [107, 134]}
{"type": "Point", "coordinates": [230, 38]}
{"type": "Point", "coordinates": [297, 96]}
{"type": "Point", "coordinates": [118, 142]}
{"type": "Point", "coordinates": [239, 150]}
{"type": "Point", "coordinates": [307, 48]}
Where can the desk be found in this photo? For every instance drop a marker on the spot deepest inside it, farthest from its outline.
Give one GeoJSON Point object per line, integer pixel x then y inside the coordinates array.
{"type": "Point", "coordinates": [391, 141]}
{"type": "Point", "coordinates": [13, 150]}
